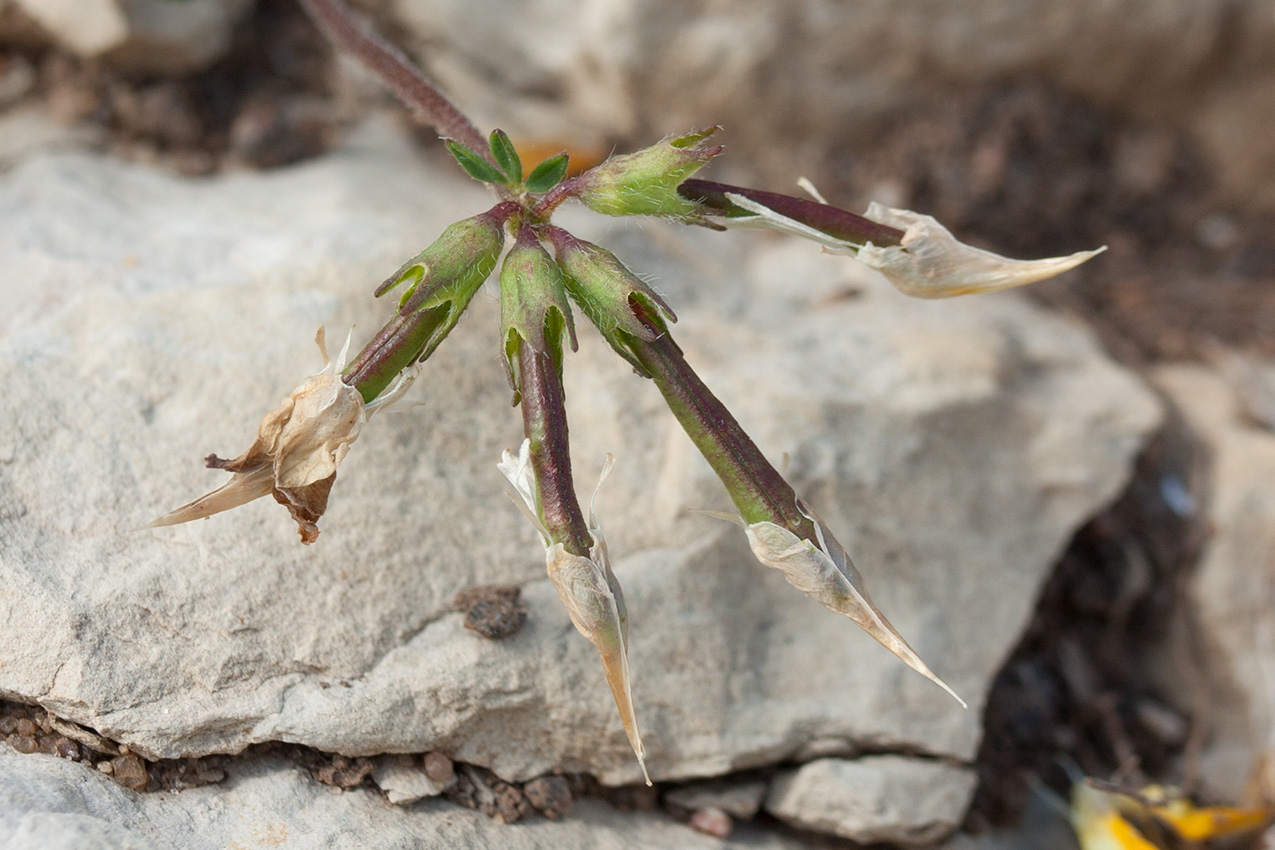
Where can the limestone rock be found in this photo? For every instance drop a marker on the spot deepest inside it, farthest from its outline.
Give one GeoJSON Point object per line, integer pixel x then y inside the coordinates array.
{"type": "Point", "coordinates": [50, 804]}
{"type": "Point", "coordinates": [1231, 596]}
{"type": "Point", "coordinates": [740, 800]}
{"type": "Point", "coordinates": [608, 68]}
{"type": "Point", "coordinates": [874, 798]}
{"type": "Point", "coordinates": [953, 447]}
{"type": "Point", "coordinates": [404, 780]}
{"type": "Point", "coordinates": [140, 35]}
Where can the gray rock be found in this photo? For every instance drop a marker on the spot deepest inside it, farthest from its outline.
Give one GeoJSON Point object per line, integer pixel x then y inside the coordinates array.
{"type": "Point", "coordinates": [874, 798]}
{"type": "Point", "coordinates": [1230, 599]}
{"type": "Point", "coordinates": [50, 804]}
{"type": "Point", "coordinates": [954, 447]}
{"type": "Point", "coordinates": [608, 68]}
{"type": "Point", "coordinates": [140, 35]}
{"type": "Point", "coordinates": [404, 780]}
{"type": "Point", "coordinates": [740, 800]}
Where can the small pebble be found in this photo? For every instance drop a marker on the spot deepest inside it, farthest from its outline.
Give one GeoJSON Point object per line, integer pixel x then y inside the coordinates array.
{"type": "Point", "coordinates": [439, 769]}
{"type": "Point", "coordinates": [711, 821]}
{"type": "Point", "coordinates": [68, 749]}
{"type": "Point", "coordinates": [494, 611]}
{"type": "Point", "coordinates": [26, 727]}
{"type": "Point", "coordinates": [23, 743]}
{"type": "Point", "coordinates": [550, 795]}
{"type": "Point", "coordinates": [130, 771]}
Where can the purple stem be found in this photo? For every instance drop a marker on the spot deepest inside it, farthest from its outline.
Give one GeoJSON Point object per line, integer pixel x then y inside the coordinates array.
{"type": "Point", "coordinates": [834, 221]}
{"type": "Point", "coordinates": [344, 29]}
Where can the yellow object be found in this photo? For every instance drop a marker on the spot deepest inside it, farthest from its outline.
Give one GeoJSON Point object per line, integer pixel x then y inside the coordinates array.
{"type": "Point", "coordinates": [1107, 819]}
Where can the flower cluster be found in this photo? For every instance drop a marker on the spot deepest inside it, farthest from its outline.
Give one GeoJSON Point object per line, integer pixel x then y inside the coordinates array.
{"type": "Point", "coordinates": [546, 272]}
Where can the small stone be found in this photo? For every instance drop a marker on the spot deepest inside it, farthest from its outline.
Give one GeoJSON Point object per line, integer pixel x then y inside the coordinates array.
{"type": "Point", "coordinates": [343, 772]}
{"type": "Point", "coordinates": [23, 743]}
{"type": "Point", "coordinates": [875, 798]}
{"type": "Point", "coordinates": [68, 749]}
{"type": "Point", "coordinates": [439, 768]}
{"type": "Point", "coordinates": [712, 821]}
{"type": "Point", "coordinates": [494, 611]}
{"type": "Point", "coordinates": [403, 779]}
{"type": "Point", "coordinates": [106, 767]}
{"type": "Point", "coordinates": [550, 795]}
{"type": "Point", "coordinates": [26, 727]}
{"type": "Point", "coordinates": [511, 805]}
{"type": "Point", "coordinates": [130, 771]}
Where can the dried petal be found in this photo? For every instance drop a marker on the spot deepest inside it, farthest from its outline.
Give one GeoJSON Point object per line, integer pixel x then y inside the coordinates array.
{"type": "Point", "coordinates": [929, 263]}
{"type": "Point", "coordinates": [825, 573]}
{"type": "Point", "coordinates": [589, 590]}
{"type": "Point", "coordinates": [298, 448]}
{"type": "Point", "coordinates": [932, 263]}
{"type": "Point", "coordinates": [517, 468]}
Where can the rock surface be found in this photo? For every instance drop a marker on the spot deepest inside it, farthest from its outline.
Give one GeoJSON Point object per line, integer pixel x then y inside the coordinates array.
{"type": "Point", "coordinates": [954, 447]}
{"type": "Point", "coordinates": [611, 68]}
{"type": "Point", "coordinates": [740, 800]}
{"type": "Point", "coordinates": [138, 35]}
{"type": "Point", "coordinates": [1231, 594]}
{"type": "Point", "coordinates": [874, 798]}
{"type": "Point", "coordinates": [50, 804]}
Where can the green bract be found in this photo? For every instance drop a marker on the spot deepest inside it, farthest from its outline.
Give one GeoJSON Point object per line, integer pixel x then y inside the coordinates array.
{"type": "Point", "coordinates": [534, 310]}
{"type": "Point", "coordinates": [456, 262]}
{"type": "Point", "coordinates": [547, 174]}
{"type": "Point", "coordinates": [614, 299]}
{"type": "Point", "coordinates": [645, 182]}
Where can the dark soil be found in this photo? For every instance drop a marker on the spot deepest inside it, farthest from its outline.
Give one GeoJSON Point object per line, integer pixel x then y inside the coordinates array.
{"type": "Point", "coordinates": [1028, 171]}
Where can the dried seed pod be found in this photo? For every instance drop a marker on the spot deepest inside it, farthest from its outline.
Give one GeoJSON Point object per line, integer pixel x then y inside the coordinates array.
{"type": "Point", "coordinates": [822, 570]}
{"type": "Point", "coordinates": [298, 448]}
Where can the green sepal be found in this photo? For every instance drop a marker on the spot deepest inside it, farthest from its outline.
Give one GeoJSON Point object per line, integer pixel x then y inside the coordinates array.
{"type": "Point", "coordinates": [616, 300]}
{"type": "Point", "coordinates": [502, 150]}
{"type": "Point", "coordinates": [534, 309]}
{"type": "Point", "coordinates": [475, 166]}
{"type": "Point", "coordinates": [449, 272]}
{"type": "Point", "coordinates": [547, 174]}
{"type": "Point", "coordinates": [645, 182]}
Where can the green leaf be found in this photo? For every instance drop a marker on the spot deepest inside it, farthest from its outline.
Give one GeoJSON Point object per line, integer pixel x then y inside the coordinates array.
{"type": "Point", "coordinates": [547, 174]}
{"type": "Point", "coordinates": [475, 166]}
{"type": "Point", "coordinates": [506, 157]}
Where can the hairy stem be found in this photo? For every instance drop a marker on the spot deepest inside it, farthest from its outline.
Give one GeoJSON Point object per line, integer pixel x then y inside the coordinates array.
{"type": "Point", "coordinates": [831, 220]}
{"type": "Point", "coordinates": [759, 492]}
{"type": "Point", "coordinates": [397, 72]}
{"type": "Point", "coordinates": [544, 417]}
{"type": "Point", "coordinates": [397, 345]}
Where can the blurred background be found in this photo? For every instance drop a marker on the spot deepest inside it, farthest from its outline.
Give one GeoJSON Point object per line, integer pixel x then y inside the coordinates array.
{"type": "Point", "coordinates": [1031, 127]}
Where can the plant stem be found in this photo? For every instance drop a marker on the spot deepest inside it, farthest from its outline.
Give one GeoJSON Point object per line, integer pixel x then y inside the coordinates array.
{"type": "Point", "coordinates": [544, 417]}
{"type": "Point", "coordinates": [759, 492]}
{"type": "Point", "coordinates": [834, 221]}
{"type": "Point", "coordinates": [397, 345]}
{"type": "Point", "coordinates": [344, 29]}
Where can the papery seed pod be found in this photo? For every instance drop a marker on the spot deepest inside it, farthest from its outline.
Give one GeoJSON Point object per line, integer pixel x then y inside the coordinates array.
{"type": "Point", "coordinates": [295, 457]}
{"type": "Point", "coordinates": [919, 256]}
{"type": "Point", "coordinates": [588, 589]}
{"type": "Point", "coordinates": [782, 531]}
{"type": "Point", "coordinates": [822, 570]}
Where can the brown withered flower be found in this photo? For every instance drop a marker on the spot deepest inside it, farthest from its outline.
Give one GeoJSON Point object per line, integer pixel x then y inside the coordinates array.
{"type": "Point", "coordinates": [298, 448]}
